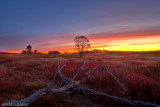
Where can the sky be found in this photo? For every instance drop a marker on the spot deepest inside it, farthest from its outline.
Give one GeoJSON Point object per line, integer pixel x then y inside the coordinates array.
{"type": "Point", "coordinates": [117, 25]}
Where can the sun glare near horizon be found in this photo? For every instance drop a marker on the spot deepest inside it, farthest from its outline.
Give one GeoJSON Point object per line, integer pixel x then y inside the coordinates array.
{"type": "Point", "coordinates": [150, 43]}
{"type": "Point", "coordinates": [137, 44]}
{"type": "Point", "coordinates": [120, 25]}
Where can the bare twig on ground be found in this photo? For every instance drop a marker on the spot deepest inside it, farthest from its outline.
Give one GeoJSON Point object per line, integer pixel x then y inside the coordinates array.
{"type": "Point", "coordinates": [76, 85]}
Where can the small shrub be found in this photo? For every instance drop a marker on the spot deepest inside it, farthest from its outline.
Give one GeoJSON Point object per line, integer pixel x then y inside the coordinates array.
{"type": "Point", "coordinates": [140, 86]}
{"type": "Point", "coordinates": [138, 81]}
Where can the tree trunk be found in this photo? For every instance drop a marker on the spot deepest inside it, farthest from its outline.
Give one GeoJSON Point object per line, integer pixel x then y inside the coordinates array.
{"type": "Point", "coordinates": [81, 54]}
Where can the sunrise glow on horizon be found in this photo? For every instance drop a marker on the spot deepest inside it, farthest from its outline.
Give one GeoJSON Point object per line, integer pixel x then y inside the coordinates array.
{"type": "Point", "coordinates": [52, 25]}
{"type": "Point", "coordinates": [150, 43]}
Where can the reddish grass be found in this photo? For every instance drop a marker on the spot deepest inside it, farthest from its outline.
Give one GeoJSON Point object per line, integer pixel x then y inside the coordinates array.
{"type": "Point", "coordinates": [138, 81]}
{"type": "Point", "coordinates": [25, 74]}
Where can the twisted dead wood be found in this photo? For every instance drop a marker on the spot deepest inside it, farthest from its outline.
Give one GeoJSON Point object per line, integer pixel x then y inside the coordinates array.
{"type": "Point", "coordinates": [71, 84]}
{"type": "Point", "coordinates": [117, 99]}
{"type": "Point", "coordinates": [34, 96]}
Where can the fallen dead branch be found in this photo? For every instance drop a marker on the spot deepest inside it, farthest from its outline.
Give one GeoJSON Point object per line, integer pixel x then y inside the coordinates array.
{"type": "Point", "coordinates": [76, 85]}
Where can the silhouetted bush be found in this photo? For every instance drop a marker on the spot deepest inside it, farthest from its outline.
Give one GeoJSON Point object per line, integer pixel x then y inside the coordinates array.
{"type": "Point", "coordinates": [23, 52]}
{"type": "Point", "coordinates": [53, 52]}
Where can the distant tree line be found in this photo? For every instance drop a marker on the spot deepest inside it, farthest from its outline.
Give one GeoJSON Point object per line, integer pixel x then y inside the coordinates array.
{"type": "Point", "coordinates": [82, 43]}
{"type": "Point", "coordinates": [96, 51]}
{"type": "Point", "coordinates": [28, 50]}
{"type": "Point", "coordinates": [53, 52]}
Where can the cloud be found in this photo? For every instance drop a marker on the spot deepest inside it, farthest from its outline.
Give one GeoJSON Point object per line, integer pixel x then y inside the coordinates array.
{"type": "Point", "coordinates": [145, 43]}
{"type": "Point", "coordinates": [65, 42]}
{"type": "Point", "coordinates": [128, 33]}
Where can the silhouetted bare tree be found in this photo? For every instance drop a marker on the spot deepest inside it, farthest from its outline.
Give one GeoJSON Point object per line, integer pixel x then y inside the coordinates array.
{"type": "Point", "coordinates": [82, 43]}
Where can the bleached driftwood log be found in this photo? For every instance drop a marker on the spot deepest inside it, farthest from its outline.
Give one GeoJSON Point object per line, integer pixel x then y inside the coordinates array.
{"type": "Point", "coordinates": [76, 85]}
{"type": "Point", "coordinates": [34, 96]}
{"type": "Point", "coordinates": [117, 99]}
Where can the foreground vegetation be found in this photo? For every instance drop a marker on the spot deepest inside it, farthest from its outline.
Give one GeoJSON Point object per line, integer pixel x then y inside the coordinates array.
{"type": "Point", "coordinates": [22, 75]}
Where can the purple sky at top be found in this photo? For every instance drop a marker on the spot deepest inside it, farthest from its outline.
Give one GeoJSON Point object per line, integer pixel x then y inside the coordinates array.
{"type": "Point", "coordinates": [24, 22]}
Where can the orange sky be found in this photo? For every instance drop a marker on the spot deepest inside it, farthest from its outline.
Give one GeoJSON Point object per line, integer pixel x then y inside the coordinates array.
{"type": "Point", "coordinates": [121, 41]}
{"type": "Point", "coordinates": [110, 25]}
{"type": "Point", "coordinates": [147, 40]}
{"type": "Point", "coordinates": [127, 42]}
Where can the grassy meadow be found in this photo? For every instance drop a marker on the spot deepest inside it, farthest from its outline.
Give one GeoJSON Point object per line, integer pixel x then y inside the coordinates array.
{"type": "Point", "coordinates": [21, 75]}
